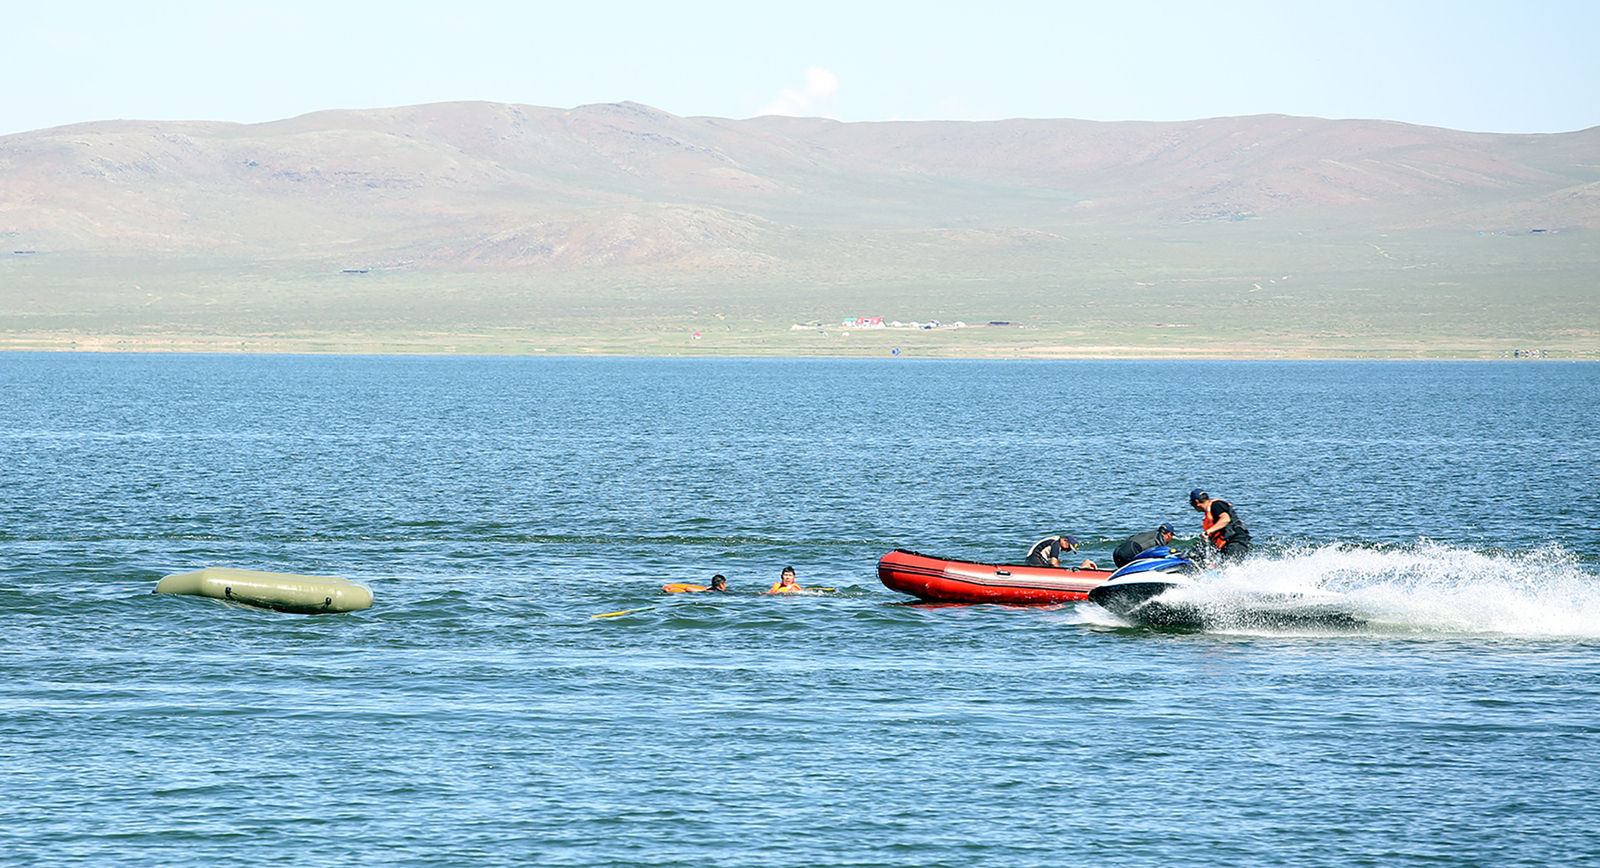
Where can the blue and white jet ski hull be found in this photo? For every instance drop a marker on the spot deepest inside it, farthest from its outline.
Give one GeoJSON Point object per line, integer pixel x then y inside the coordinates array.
{"type": "Point", "coordinates": [1160, 591]}
{"type": "Point", "coordinates": [1131, 590]}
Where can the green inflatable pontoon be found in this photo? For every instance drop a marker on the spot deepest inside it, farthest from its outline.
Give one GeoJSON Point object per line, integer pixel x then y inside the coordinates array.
{"type": "Point", "coordinates": [284, 592]}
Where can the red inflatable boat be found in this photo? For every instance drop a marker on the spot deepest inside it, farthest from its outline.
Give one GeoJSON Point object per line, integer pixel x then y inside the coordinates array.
{"type": "Point", "coordinates": [938, 580]}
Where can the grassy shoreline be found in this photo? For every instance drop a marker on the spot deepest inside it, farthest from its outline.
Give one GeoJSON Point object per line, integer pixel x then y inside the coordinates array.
{"type": "Point", "coordinates": [1431, 295]}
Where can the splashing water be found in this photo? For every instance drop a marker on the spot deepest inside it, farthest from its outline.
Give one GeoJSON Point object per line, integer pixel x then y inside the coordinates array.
{"type": "Point", "coordinates": [1425, 588]}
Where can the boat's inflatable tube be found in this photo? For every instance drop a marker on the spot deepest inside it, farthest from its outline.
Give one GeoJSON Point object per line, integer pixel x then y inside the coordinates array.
{"type": "Point", "coordinates": [940, 580]}
{"type": "Point", "coordinates": [284, 592]}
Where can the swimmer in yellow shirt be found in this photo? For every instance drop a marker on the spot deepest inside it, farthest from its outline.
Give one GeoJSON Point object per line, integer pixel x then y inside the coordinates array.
{"type": "Point", "coordinates": [786, 583]}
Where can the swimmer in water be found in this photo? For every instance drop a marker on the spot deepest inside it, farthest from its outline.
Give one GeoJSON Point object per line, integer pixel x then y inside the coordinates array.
{"type": "Point", "coordinates": [786, 583]}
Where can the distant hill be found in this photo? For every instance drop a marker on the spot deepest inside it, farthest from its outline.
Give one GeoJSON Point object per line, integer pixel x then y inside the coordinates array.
{"type": "Point", "coordinates": [478, 215]}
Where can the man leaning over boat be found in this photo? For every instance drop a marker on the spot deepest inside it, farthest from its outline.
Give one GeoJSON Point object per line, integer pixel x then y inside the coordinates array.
{"type": "Point", "coordinates": [1049, 551]}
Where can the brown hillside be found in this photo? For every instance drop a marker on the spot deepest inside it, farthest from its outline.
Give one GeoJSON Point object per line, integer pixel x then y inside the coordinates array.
{"type": "Point", "coordinates": [464, 182]}
{"type": "Point", "coordinates": [606, 218]}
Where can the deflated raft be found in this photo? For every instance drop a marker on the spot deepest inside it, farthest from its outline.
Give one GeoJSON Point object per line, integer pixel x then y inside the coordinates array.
{"type": "Point", "coordinates": [283, 592]}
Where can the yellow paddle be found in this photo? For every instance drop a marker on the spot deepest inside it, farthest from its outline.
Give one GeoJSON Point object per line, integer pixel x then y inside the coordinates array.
{"type": "Point", "coordinates": [648, 608]}
{"type": "Point", "coordinates": [623, 612]}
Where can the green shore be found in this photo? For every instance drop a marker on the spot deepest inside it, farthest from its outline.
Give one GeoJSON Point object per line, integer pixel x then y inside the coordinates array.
{"type": "Point", "coordinates": [973, 342]}
{"type": "Point", "coordinates": [1420, 295]}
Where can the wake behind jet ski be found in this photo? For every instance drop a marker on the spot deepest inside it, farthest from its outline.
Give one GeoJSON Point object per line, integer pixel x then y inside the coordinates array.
{"type": "Point", "coordinates": [1159, 589]}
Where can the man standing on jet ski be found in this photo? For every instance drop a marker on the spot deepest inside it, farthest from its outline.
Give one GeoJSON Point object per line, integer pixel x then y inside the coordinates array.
{"type": "Point", "coordinates": [1221, 525]}
{"type": "Point", "coordinates": [1133, 545]}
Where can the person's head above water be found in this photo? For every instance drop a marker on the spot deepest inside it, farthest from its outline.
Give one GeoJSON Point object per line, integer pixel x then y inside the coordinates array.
{"type": "Point", "coordinates": [785, 583]}
{"type": "Point", "coordinates": [719, 583]}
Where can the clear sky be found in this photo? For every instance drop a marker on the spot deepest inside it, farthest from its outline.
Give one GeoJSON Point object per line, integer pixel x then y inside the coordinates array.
{"type": "Point", "coordinates": [1525, 66]}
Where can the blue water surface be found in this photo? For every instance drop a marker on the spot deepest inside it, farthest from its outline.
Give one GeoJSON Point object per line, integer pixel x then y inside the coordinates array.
{"type": "Point", "coordinates": [479, 714]}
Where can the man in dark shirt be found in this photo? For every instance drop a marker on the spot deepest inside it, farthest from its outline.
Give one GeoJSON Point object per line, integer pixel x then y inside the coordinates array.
{"type": "Point", "coordinates": [1223, 528]}
{"type": "Point", "coordinates": [1133, 545]}
{"type": "Point", "coordinates": [1049, 551]}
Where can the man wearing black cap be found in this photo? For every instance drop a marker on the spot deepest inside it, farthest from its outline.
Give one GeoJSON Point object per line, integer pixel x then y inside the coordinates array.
{"type": "Point", "coordinates": [1137, 543]}
{"type": "Point", "coordinates": [1048, 552]}
{"type": "Point", "coordinates": [1222, 526]}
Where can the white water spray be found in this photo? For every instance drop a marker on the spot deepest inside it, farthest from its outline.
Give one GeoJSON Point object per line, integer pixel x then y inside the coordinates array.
{"type": "Point", "coordinates": [1424, 589]}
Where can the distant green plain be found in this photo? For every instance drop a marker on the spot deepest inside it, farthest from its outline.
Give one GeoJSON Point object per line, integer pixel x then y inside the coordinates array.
{"type": "Point", "coordinates": [1205, 290]}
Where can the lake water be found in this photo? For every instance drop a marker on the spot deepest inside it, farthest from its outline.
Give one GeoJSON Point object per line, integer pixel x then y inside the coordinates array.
{"type": "Point", "coordinates": [478, 714]}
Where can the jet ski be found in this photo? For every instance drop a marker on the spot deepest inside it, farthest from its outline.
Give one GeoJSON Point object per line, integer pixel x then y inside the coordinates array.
{"type": "Point", "coordinates": [1133, 590]}
{"type": "Point", "coordinates": [1158, 589]}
